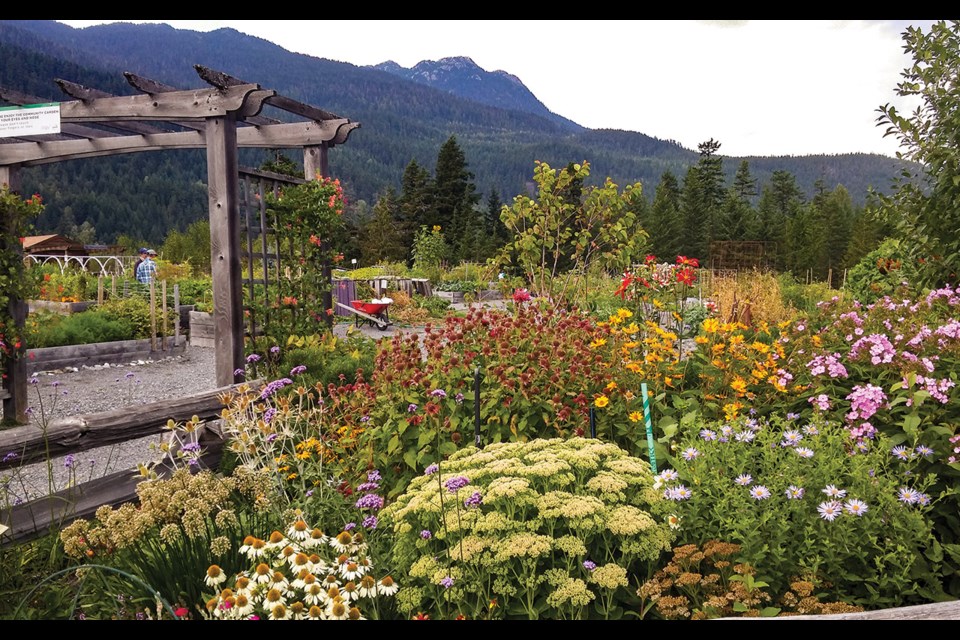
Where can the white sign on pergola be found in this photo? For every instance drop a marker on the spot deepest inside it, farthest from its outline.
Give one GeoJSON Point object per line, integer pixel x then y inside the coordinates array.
{"type": "Point", "coordinates": [221, 119]}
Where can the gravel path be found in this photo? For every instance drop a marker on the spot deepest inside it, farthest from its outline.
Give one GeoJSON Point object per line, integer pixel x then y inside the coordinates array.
{"type": "Point", "coordinates": [73, 392]}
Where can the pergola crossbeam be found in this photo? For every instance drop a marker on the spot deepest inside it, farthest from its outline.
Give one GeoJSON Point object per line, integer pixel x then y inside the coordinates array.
{"type": "Point", "coordinates": [221, 120]}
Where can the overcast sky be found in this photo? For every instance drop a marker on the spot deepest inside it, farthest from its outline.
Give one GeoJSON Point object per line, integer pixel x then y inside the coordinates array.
{"type": "Point", "coordinates": [759, 87]}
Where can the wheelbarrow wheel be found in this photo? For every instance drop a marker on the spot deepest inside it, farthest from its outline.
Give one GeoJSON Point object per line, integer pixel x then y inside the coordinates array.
{"type": "Point", "coordinates": [382, 326]}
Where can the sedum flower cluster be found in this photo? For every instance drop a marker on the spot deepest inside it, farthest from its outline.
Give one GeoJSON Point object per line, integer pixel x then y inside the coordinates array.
{"type": "Point", "coordinates": [550, 529]}
{"type": "Point", "coordinates": [300, 574]}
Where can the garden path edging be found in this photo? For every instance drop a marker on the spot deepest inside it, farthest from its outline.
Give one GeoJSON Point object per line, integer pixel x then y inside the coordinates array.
{"type": "Point", "coordinates": [99, 353]}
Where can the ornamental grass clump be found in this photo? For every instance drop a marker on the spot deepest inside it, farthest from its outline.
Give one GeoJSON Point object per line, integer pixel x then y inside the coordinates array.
{"type": "Point", "coordinates": [548, 529]}
{"type": "Point", "coordinates": [800, 498]}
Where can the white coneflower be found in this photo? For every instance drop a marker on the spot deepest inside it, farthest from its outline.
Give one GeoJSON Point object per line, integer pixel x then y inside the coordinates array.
{"type": "Point", "coordinates": [300, 582]}
{"type": "Point", "coordinates": [276, 540]}
{"type": "Point", "coordinates": [350, 570]}
{"type": "Point", "coordinates": [349, 592]}
{"type": "Point", "coordinates": [330, 581]}
{"type": "Point", "coordinates": [273, 598]}
{"type": "Point", "coordinates": [287, 554]}
{"type": "Point", "coordinates": [215, 575]}
{"type": "Point", "coordinates": [387, 587]}
{"type": "Point", "coordinates": [342, 543]}
{"type": "Point", "coordinates": [262, 574]}
{"type": "Point", "coordinates": [279, 612]}
{"type": "Point", "coordinates": [354, 614]}
{"type": "Point", "coordinates": [337, 610]}
{"type": "Point", "coordinates": [316, 613]}
{"type": "Point", "coordinates": [298, 611]}
{"type": "Point", "coordinates": [243, 606]}
{"type": "Point", "coordinates": [300, 562]}
{"type": "Point", "coordinates": [316, 538]}
{"type": "Point", "coordinates": [368, 587]}
{"type": "Point", "coordinates": [243, 585]}
{"type": "Point", "coordinates": [299, 530]}
{"type": "Point", "coordinates": [318, 565]}
{"type": "Point", "coordinates": [279, 581]}
{"type": "Point", "coordinates": [314, 594]}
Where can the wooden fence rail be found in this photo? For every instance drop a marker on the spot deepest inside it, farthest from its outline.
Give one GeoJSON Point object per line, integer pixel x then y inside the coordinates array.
{"type": "Point", "coordinates": [82, 433]}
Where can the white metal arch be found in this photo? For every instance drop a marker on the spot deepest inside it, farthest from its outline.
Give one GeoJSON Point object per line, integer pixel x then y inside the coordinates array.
{"type": "Point", "coordinates": [105, 265]}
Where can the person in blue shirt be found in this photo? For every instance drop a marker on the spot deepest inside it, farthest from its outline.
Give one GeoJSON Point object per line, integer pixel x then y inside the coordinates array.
{"type": "Point", "coordinates": [148, 268]}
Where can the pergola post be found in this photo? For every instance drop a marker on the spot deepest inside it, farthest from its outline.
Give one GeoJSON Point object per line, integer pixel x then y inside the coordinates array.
{"type": "Point", "coordinates": [315, 161]}
{"type": "Point", "coordinates": [15, 404]}
{"type": "Point", "coordinates": [223, 181]}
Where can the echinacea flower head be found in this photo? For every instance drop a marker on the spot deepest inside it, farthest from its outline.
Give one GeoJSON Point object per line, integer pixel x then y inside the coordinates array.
{"type": "Point", "coordinates": [215, 576]}
{"type": "Point", "coordinates": [830, 510]}
{"type": "Point", "coordinates": [855, 507]}
{"type": "Point", "coordinates": [386, 586]}
{"type": "Point", "coordinates": [674, 521]}
{"type": "Point", "coordinates": [744, 479]}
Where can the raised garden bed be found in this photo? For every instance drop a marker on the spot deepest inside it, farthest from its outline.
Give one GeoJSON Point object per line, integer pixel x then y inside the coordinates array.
{"type": "Point", "coordinates": [78, 355]}
{"type": "Point", "coordinates": [201, 329]}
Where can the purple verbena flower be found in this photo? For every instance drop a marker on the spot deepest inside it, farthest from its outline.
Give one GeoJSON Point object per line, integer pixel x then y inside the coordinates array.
{"type": "Point", "coordinates": [474, 501]}
{"type": "Point", "coordinates": [589, 565]}
{"type": "Point", "coordinates": [426, 534]}
{"type": "Point", "coordinates": [431, 469]}
{"type": "Point", "coordinates": [297, 370]}
{"type": "Point", "coordinates": [456, 483]}
{"type": "Point", "coordinates": [370, 501]}
{"type": "Point", "coordinates": [253, 357]}
{"type": "Point", "coordinates": [370, 522]}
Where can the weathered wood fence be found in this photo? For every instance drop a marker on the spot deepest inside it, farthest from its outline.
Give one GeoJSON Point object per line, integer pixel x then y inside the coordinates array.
{"type": "Point", "coordinates": [82, 433]}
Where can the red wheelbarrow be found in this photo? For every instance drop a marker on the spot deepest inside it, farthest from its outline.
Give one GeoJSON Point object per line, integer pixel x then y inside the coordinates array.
{"type": "Point", "coordinates": [373, 313]}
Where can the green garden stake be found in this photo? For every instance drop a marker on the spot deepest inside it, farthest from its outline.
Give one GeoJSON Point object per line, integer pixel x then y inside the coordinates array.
{"type": "Point", "coordinates": [593, 424]}
{"type": "Point", "coordinates": [646, 417]}
{"type": "Point", "coordinates": [476, 407]}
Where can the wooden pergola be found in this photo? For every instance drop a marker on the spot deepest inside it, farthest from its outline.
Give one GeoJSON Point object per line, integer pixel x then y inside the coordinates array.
{"type": "Point", "coordinates": [220, 118]}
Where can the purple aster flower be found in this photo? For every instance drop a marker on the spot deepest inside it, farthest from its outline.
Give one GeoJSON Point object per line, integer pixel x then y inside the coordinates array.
{"type": "Point", "coordinates": [794, 492]}
{"type": "Point", "coordinates": [369, 501]}
{"type": "Point", "coordinates": [900, 452]}
{"type": "Point", "coordinates": [759, 492]}
{"type": "Point", "coordinates": [370, 522]}
{"type": "Point", "coordinates": [791, 438]}
{"type": "Point", "coordinates": [426, 534]}
{"type": "Point", "coordinates": [907, 495]}
{"type": "Point", "coordinates": [447, 582]}
{"type": "Point", "coordinates": [411, 408]}
{"type": "Point", "coordinates": [253, 358]}
{"type": "Point", "coordinates": [793, 416]}
{"type": "Point", "coordinates": [297, 370]}
{"type": "Point", "coordinates": [804, 452]}
{"type": "Point", "coordinates": [923, 499]}
{"type": "Point", "coordinates": [832, 492]}
{"type": "Point", "coordinates": [456, 483]}
{"type": "Point", "coordinates": [690, 453]}
{"type": "Point", "coordinates": [744, 479]}
{"type": "Point", "coordinates": [830, 510]}
{"type": "Point", "coordinates": [589, 565]}
{"type": "Point", "coordinates": [669, 475]}
{"type": "Point", "coordinates": [473, 501]}
{"type": "Point", "coordinates": [708, 435]}
{"type": "Point", "coordinates": [855, 507]}
{"type": "Point", "coordinates": [431, 469]}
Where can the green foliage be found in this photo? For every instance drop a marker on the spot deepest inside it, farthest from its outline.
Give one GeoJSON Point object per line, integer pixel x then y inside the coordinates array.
{"type": "Point", "coordinates": [52, 330]}
{"type": "Point", "coordinates": [196, 291]}
{"type": "Point", "coordinates": [844, 522]}
{"type": "Point", "coordinates": [328, 359]}
{"type": "Point", "coordinates": [134, 310]}
{"type": "Point", "coordinates": [881, 272]}
{"type": "Point", "coordinates": [191, 246]}
{"type": "Point", "coordinates": [924, 206]}
{"type": "Point", "coordinates": [430, 249]}
{"type": "Point", "coordinates": [568, 228]}
{"type": "Point", "coordinates": [546, 529]}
